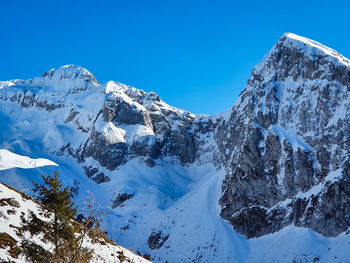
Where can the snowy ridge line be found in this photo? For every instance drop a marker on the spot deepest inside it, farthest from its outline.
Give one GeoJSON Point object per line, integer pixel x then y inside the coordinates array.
{"type": "Point", "coordinates": [326, 50]}
{"type": "Point", "coordinates": [307, 46]}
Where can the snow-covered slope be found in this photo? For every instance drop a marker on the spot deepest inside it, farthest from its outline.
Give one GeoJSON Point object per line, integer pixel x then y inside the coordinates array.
{"type": "Point", "coordinates": [15, 204]}
{"type": "Point", "coordinates": [10, 160]}
{"type": "Point", "coordinates": [178, 185]}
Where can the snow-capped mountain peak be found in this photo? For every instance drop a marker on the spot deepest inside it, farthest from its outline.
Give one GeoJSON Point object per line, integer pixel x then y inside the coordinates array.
{"type": "Point", "coordinates": [68, 79]}
{"type": "Point", "coordinates": [275, 163]}
{"type": "Point", "coordinates": [293, 50]}
{"type": "Point", "coordinates": [70, 72]}
{"type": "Point", "coordinates": [312, 47]}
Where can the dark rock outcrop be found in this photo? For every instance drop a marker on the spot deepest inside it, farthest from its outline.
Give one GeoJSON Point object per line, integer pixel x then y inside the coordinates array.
{"type": "Point", "coordinates": [156, 240]}
{"type": "Point", "coordinates": [120, 199]}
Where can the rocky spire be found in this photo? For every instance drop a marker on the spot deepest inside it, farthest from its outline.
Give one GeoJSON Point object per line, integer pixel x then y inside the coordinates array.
{"type": "Point", "coordinates": [285, 144]}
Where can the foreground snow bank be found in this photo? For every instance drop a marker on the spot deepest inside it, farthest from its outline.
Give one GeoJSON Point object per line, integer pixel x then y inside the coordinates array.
{"type": "Point", "coordinates": [10, 160]}
{"type": "Point", "coordinates": [13, 204]}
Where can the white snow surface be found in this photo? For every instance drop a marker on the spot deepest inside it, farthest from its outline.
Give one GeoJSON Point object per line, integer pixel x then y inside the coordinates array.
{"type": "Point", "coordinates": [10, 160]}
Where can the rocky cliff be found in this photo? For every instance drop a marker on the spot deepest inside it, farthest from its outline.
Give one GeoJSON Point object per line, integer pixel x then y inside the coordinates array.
{"type": "Point", "coordinates": [287, 143]}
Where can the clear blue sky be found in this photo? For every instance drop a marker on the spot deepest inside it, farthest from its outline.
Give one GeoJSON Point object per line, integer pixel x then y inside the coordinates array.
{"type": "Point", "coordinates": [197, 55]}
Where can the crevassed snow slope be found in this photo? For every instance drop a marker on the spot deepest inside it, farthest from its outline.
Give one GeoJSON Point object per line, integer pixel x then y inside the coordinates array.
{"type": "Point", "coordinates": [10, 160]}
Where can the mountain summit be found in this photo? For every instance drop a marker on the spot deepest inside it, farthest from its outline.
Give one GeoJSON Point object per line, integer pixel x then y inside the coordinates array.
{"type": "Point", "coordinates": [193, 188]}
{"type": "Point", "coordinates": [70, 72]}
{"type": "Point", "coordinates": [287, 163]}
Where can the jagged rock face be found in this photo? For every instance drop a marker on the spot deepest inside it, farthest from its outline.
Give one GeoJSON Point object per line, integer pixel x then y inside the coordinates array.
{"type": "Point", "coordinates": [108, 123]}
{"type": "Point", "coordinates": [286, 145]}
{"type": "Point", "coordinates": [148, 128]}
